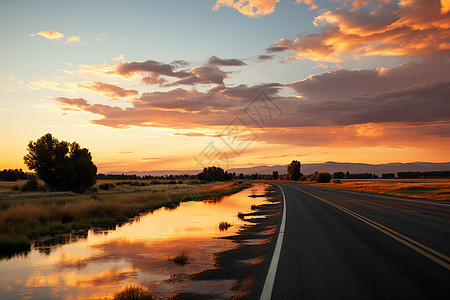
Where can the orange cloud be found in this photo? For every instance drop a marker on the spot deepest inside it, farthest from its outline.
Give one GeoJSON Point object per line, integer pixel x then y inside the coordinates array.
{"type": "Point", "coordinates": [50, 34]}
{"type": "Point", "coordinates": [410, 28]}
{"type": "Point", "coordinates": [311, 3]}
{"type": "Point", "coordinates": [251, 8]}
{"type": "Point", "coordinates": [109, 90]}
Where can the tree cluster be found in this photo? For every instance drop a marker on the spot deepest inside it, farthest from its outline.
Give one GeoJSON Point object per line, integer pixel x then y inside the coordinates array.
{"type": "Point", "coordinates": [13, 175]}
{"type": "Point", "coordinates": [320, 177]}
{"type": "Point", "coordinates": [61, 165]}
{"type": "Point", "coordinates": [214, 174]}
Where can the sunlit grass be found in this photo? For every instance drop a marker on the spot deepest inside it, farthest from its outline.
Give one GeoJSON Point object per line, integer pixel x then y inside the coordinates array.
{"type": "Point", "coordinates": [28, 218]}
{"type": "Point", "coordinates": [133, 292]}
{"type": "Point", "coordinates": [181, 258]}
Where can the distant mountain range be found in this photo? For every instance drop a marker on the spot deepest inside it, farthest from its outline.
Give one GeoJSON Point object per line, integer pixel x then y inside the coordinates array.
{"type": "Point", "coordinates": [329, 166]}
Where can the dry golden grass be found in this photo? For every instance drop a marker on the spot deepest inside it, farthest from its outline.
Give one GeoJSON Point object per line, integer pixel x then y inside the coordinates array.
{"type": "Point", "coordinates": [434, 189]}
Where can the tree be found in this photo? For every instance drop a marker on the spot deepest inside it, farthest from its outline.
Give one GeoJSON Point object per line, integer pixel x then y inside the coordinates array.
{"type": "Point", "coordinates": [61, 165]}
{"type": "Point", "coordinates": [275, 175]}
{"type": "Point", "coordinates": [293, 170]}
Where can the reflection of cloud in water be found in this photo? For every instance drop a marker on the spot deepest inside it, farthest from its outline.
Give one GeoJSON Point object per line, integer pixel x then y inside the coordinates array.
{"type": "Point", "coordinates": [135, 253]}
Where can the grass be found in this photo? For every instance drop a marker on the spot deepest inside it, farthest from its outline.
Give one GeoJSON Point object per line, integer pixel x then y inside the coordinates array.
{"type": "Point", "coordinates": [182, 258]}
{"type": "Point", "coordinates": [22, 220]}
{"type": "Point", "coordinates": [433, 189]}
{"type": "Point", "coordinates": [133, 292]}
{"type": "Point", "coordinates": [224, 226]}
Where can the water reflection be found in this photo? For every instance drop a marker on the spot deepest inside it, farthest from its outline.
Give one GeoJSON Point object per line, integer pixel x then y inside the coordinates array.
{"type": "Point", "coordinates": [95, 264]}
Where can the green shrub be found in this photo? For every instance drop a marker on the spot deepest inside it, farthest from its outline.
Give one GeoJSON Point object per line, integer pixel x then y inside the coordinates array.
{"type": "Point", "coordinates": [106, 186]}
{"type": "Point", "coordinates": [30, 186]}
{"type": "Point", "coordinates": [323, 177]}
{"type": "Point", "coordinates": [11, 245]}
{"type": "Point", "coordinates": [15, 188]}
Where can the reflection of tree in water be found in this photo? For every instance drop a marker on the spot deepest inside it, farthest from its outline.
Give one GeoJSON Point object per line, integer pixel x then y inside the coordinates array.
{"type": "Point", "coordinates": [47, 245]}
{"type": "Point", "coordinates": [171, 206]}
{"type": "Point", "coordinates": [214, 200]}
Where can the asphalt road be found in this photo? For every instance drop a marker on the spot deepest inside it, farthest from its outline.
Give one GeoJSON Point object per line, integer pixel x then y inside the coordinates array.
{"type": "Point", "coordinates": [347, 245]}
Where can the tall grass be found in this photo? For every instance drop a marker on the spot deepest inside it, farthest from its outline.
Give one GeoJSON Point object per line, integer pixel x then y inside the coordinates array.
{"type": "Point", "coordinates": [30, 218]}
{"type": "Point", "coordinates": [182, 258]}
{"type": "Point", "coordinates": [133, 293]}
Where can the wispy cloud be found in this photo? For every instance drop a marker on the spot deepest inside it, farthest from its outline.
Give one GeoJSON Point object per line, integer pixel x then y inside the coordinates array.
{"type": "Point", "coordinates": [73, 39]}
{"type": "Point", "coordinates": [46, 84]}
{"type": "Point", "coordinates": [109, 90]}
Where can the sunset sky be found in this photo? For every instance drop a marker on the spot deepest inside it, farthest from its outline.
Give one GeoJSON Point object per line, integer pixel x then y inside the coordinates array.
{"type": "Point", "coordinates": [168, 84]}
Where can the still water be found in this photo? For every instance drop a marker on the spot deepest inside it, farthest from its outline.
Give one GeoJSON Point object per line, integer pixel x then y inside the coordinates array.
{"type": "Point", "coordinates": [103, 262]}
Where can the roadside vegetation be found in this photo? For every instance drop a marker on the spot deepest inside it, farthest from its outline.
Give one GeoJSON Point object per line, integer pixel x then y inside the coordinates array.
{"type": "Point", "coordinates": [24, 219]}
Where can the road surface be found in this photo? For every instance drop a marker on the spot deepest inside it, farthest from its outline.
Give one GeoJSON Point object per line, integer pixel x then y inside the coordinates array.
{"type": "Point", "coordinates": [345, 245]}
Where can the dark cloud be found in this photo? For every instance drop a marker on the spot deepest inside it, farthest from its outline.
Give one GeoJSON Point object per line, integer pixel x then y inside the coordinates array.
{"type": "Point", "coordinates": [180, 63]}
{"type": "Point", "coordinates": [149, 66]}
{"type": "Point", "coordinates": [274, 49]}
{"type": "Point", "coordinates": [206, 74]}
{"type": "Point", "coordinates": [154, 79]}
{"type": "Point", "coordinates": [214, 60]}
{"type": "Point", "coordinates": [264, 57]}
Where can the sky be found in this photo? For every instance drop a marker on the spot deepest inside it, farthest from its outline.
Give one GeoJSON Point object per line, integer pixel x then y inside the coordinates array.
{"type": "Point", "coordinates": [180, 85]}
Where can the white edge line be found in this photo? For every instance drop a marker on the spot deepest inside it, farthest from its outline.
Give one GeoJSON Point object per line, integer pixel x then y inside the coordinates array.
{"type": "Point", "coordinates": [270, 278]}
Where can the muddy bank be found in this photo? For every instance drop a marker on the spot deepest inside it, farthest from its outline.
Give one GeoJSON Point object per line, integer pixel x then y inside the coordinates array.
{"type": "Point", "coordinates": [245, 265]}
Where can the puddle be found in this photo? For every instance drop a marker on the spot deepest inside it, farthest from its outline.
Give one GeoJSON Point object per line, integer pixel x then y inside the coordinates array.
{"type": "Point", "coordinates": [98, 264]}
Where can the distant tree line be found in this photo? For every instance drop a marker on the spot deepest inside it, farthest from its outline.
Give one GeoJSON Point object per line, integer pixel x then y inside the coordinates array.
{"type": "Point", "coordinates": [400, 175]}
{"type": "Point", "coordinates": [348, 175]}
{"type": "Point", "coordinates": [13, 175]}
{"type": "Point", "coordinates": [432, 174]}
{"type": "Point", "coordinates": [102, 176]}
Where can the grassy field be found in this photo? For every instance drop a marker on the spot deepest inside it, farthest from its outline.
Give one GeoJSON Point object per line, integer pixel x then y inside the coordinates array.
{"type": "Point", "coordinates": [31, 215]}
{"type": "Point", "coordinates": [433, 189]}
